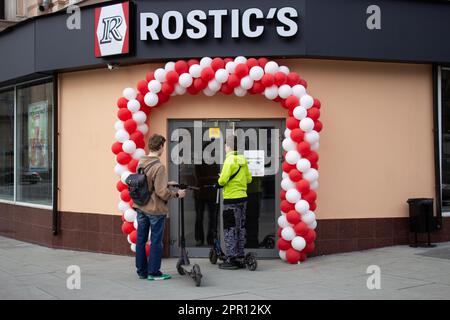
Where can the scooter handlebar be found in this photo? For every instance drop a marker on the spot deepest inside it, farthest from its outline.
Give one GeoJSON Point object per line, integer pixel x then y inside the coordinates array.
{"type": "Point", "coordinates": [183, 186]}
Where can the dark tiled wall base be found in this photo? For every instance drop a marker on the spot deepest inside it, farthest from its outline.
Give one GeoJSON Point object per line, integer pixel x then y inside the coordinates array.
{"type": "Point", "coordinates": [102, 232]}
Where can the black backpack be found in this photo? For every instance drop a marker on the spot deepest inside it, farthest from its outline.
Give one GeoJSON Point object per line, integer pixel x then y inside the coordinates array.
{"type": "Point", "coordinates": [138, 186]}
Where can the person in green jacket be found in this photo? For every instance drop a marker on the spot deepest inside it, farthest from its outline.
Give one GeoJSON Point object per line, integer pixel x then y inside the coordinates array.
{"type": "Point", "coordinates": [234, 178]}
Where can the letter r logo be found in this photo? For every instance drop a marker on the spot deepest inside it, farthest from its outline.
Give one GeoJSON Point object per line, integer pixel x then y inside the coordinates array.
{"type": "Point", "coordinates": [111, 29]}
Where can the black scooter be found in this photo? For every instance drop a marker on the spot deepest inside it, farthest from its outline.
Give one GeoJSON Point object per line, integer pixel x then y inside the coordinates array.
{"type": "Point", "coordinates": [183, 262]}
{"type": "Point", "coordinates": [216, 252]}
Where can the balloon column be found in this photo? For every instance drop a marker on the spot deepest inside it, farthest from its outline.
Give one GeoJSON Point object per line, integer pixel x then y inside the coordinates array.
{"type": "Point", "coordinates": [239, 76]}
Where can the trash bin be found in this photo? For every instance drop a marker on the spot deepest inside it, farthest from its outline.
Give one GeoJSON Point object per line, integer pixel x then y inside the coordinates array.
{"type": "Point", "coordinates": [421, 218]}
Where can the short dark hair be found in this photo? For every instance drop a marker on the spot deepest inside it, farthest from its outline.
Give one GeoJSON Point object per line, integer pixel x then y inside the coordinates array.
{"type": "Point", "coordinates": [156, 142]}
{"type": "Point", "coordinates": [232, 142]}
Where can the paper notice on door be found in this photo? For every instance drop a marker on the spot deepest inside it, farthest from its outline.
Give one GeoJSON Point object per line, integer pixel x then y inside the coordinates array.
{"type": "Point", "coordinates": [255, 159]}
{"type": "Point", "coordinates": [214, 133]}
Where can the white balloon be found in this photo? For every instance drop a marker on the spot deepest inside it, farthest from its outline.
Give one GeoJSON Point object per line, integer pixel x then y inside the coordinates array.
{"type": "Point", "coordinates": [288, 233]}
{"type": "Point", "coordinates": [309, 217]}
{"type": "Point", "coordinates": [307, 124]}
{"type": "Point", "coordinates": [311, 175]}
{"type": "Point", "coordinates": [246, 82]}
{"type": "Point", "coordinates": [284, 69]}
{"type": "Point", "coordinates": [154, 86]}
{"type": "Point", "coordinates": [139, 117]}
{"type": "Point", "coordinates": [208, 92]}
{"type": "Point", "coordinates": [271, 67]}
{"type": "Point", "coordinates": [282, 254]}
{"type": "Point", "coordinates": [143, 128]}
{"type": "Point", "coordinates": [315, 146]}
{"type": "Point", "coordinates": [256, 73]}
{"type": "Point", "coordinates": [287, 133]}
{"type": "Point", "coordinates": [239, 91]}
{"type": "Point", "coordinates": [133, 247]}
{"type": "Point", "coordinates": [306, 101]}
{"type": "Point", "coordinates": [138, 154]}
{"type": "Point", "coordinates": [205, 62]}
{"type": "Point", "coordinates": [130, 215]}
{"type": "Point", "coordinates": [124, 176]}
{"type": "Point", "coordinates": [292, 195]}
{"type": "Point", "coordinates": [170, 66]}
{"type": "Point", "coordinates": [298, 90]}
{"type": "Point", "coordinates": [195, 70]}
{"type": "Point", "coordinates": [179, 89]}
{"type": "Point", "coordinates": [118, 125]}
{"type": "Point", "coordinates": [129, 93]}
{"type": "Point", "coordinates": [151, 99]}
{"type": "Point", "coordinates": [135, 224]}
{"type": "Point", "coordinates": [312, 137]}
{"type": "Point", "coordinates": [284, 91]}
{"type": "Point", "coordinates": [314, 185]}
{"type": "Point", "coordinates": [284, 175]}
{"type": "Point", "coordinates": [185, 80]}
{"type": "Point", "coordinates": [133, 105]}
{"type": "Point", "coordinates": [240, 59]}
{"type": "Point", "coordinates": [214, 85]}
{"type": "Point", "coordinates": [122, 135]}
{"type": "Point", "coordinates": [282, 222]}
{"type": "Point", "coordinates": [230, 67]}
{"type": "Point", "coordinates": [292, 157]}
{"type": "Point", "coordinates": [160, 74]}
{"type": "Point", "coordinates": [313, 225]}
{"type": "Point", "coordinates": [129, 146]}
{"type": "Point", "coordinates": [303, 165]}
{"type": "Point", "coordinates": [123, 206]}
{"type": "Point", "coordinates": [299, 113]}
{"type": "Point", "coordinates": [289, 144]}
{"type": "Point", "coordinates": [119, 169]}
{"type": "Point", "coordinates": [221, 75]}
{"type": "Point", "coordinates": [298, 243]}
{"type": "Point", "coordinates": [271, 92]}
{"type": "Point", "coordinates": [302, 206]}
{"type": "Point", "coordinates": [287, 184]}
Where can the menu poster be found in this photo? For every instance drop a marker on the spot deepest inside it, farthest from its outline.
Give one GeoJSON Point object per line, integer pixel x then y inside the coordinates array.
{"type": "Point", "coordinates": [38, 136]}
{"type": "Point", "coordinates": [255, 160]}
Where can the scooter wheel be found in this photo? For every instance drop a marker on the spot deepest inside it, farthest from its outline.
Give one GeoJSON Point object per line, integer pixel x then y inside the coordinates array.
{"type": "Point", "coordinates": [213, 256]}
{"type": "Point", "coordinates": [251, 262]}
{"type": "Point", "coordinates": [180, 268]}
{"type": "Point", "coordinates": [197, 275]}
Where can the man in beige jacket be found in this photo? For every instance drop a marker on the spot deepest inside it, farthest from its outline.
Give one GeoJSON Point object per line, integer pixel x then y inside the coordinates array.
{"type": "Point", "coordinates": [152, 216]}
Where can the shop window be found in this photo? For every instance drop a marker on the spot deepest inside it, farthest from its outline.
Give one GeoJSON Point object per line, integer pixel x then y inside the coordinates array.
{"type": "Point", "coordinates": [7, 145]}
{"type": "Point", "coordinates": [34, 143]}
{"type": "Point", "coordinates": [445, 108]}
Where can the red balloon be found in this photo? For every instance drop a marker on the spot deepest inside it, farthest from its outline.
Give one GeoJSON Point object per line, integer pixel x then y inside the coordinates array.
{"type": "Point", "coordinates": [286, 206]}
{"type": "Point", "coordinates": [313, 206]}
{"type": "Point", "coordinates": [162, 97]}
{"type": "Point", "coordinates": [217, 63]}
{"type": "Point", "coordinates": [120, 186]}
{"type": "Point", "coordinates": [297, 135]}
{"type": "Point", "coordinates": [317, 104]}
{"type": "Point", "coordinates": [252, 62]}
{"type": "Point", "coordinates": [181, 67]}
{"type": "Point", "coordinates": [172, 77]}
{"type": "Point", "coordinates": [292, 78]}
{"type": "Point", "coordinates": [192, 62]}
{"type": "Point", "coordinates": [282, 194]}
{"type": "Point", "coordinates": [283, 244]}
{"type": "Point", "coordinates": [287, 167]}
{"type": "Point", "coordinates": [207, 74]}
{"type": "Point", "coordinates": [301, 228]}
{"type": "Point", "coordinates": [147, 249]}
{"type": "Point", "coordinates": [295, 175]}
{"type": "Point", "coordinates": [116, 147]}
{"type": "Point", "coordinates": [142, 86]}
{"type": "Point", "coordinates": [313, 157]}
{"type": "Point", "coordinates": [309, 247]}
{"type": "Point", "coordinates": [133, 236]}
{"type": "Point", "coordinates": [123, 158]}
{"type": "Point", "coordinates": [303, 83]}
{"type": "Point", "coordinates": [303, 148]}
{"type": "Point", "coordinates": [150, 76]}
{"type": "Point", "coordinates": [192, 90]}
{"type": "Point", "coordinates": [200, 84]}
{"type": "Point", "coordinates": [122, 102]}
{"type": "Point", "coordinates": [136, 136]}
{"type": "Point", "coordinates": [258, 87]}
{"type": "Point", "coordinates": [293, 217]}
{"type": "Point", "coordinates": [127, 227]}
{"type": "Point", "coordinates": [290, 112]}
{"type": "Point", "coordinates": [226, 89]}
{"type": "Point", "coordinates": [124, 114]}
{"type": "Point", "coordinates": [133, 165]}
{"type": "Point", "coordinates": [140, 98]}
{"type": "Point", "coordinates": [292, 256]}
{"type": "Point", "coordinates": [291, 102]}
{"type": "Point", "coordinates": [311, 196]}
{"type": "Point", "coordinates": [233, 81]}
{"type": "Point", "coordinates": [313, 113]}
{"type": "Point", "coordinates": [303, 257]}
{"type": "Point", "coordinates": [125, 195]}
{"type": "Point", "coordinates": [303, 186]}
{"type": "Point", "coordinates": [267, 80]}
{"type": "Point", "coordinates": [241, 70]}
{"type": "Point", "coordinates": [292, 123]}
{"type": "Point", "coordinates": [318, 126]}
{"type": "Point", "coordinates": [167, 88]}
{"type": "Point", "coordinates": [310, 236]}
{"type": "Point", "coordinates": [140, 143]}
{"type": "Point", "coordinates": [130, 125]}
{"type": "Point", "coordinates": [262, 62]}
{"type": "Point", "coordinates": [280, 78]}
{"type": "Point", "coordinates": [226, 60]}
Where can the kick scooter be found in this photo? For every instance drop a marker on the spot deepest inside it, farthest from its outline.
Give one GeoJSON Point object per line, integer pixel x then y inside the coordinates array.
{"type": "Point", "coordinates": [183, 263]}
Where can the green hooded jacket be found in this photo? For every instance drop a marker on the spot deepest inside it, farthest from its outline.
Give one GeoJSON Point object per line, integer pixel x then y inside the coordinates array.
{"type": "Point", "coordinates": [237, 187]}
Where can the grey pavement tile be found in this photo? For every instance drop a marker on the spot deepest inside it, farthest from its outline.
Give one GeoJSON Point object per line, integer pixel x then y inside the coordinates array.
{"type": "Point", "coordinates": [25, 293]}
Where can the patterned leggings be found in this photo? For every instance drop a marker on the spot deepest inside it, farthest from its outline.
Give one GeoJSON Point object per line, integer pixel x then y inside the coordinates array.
{"type": "Point", "coordinates": [234, 229]}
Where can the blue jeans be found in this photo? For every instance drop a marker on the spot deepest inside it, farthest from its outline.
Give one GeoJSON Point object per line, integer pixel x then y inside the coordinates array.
{"type": "Point", "coordinates": [155, 223]}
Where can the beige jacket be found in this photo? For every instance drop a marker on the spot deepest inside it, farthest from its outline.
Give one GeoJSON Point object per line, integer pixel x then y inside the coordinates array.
{"type": "Point", "coordinates": [157, 184]}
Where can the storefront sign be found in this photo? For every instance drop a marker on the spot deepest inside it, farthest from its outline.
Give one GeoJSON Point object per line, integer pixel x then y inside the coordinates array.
{"type": "Point", "coordinates": [112, 30]}
{"type": "Point", "coordinates": [255, 159]}
{"type": "Point", "coordinates": [37, 136]}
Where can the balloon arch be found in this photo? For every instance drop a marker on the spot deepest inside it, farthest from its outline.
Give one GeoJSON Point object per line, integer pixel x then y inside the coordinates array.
{"type": "Point", "coordinates": [240, 76]}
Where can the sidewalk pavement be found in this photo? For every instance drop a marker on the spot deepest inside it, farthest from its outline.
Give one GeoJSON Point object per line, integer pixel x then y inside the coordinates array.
{"type": "Point", "coordinates": [29, 271]}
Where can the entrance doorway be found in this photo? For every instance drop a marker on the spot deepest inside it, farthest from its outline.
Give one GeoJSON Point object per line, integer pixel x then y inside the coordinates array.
{"type": "Point", "coordinates": [196, 155]}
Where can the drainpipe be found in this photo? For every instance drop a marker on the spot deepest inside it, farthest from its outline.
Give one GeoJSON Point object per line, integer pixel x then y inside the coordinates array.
{"type": "Point", "coordinates": [55, 223]}
{"type": "Point", "coordinates": [437, 147]}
